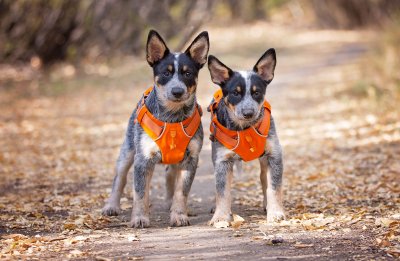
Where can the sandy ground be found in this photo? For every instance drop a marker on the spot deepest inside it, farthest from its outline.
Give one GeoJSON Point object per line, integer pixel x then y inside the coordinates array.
{"type": "Point", "coordinates": [341, 179]}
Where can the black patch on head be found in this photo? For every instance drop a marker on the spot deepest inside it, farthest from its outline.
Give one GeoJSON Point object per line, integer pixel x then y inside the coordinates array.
{"type": "Point", "coordinates": [260, 88]}
{"type": "Point", "coordinates": [230, 91]}
{"type": "Point", "coordinates": [163, 73]}
{"type": "Point", "coordinates": [161, 69]}
{"type": "Point", "coordinates": [188, 70]}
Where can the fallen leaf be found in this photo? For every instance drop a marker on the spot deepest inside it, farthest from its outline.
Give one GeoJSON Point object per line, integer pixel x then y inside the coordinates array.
{"type": "Point", "coordinates": [301, 245]}
{"type": "Point", "coordinates": [237, 221]}
{"type": "Point", "coordinates": [133, 238]}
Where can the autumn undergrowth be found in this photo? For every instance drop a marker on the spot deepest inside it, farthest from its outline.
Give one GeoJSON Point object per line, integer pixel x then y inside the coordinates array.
{"type": "Point", "coordinates": [380, 81]}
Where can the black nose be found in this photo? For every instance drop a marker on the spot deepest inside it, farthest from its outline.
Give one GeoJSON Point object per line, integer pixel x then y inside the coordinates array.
{"type": "Point", "coordinates": [177, 92]}
{"type": "Point", "coordinates": [248, 113]}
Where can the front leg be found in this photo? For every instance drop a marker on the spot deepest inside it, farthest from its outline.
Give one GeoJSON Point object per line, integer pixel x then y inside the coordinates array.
{"type": "Point", "coordinates": [275, 210]}
{"type": "Point", "coordinates": [143, 171]}
{"type": "Point", "coordinates": [223, 180]}
{"type": "Point", "coordinates": [172, 172]}
{"type": "Point", "coordinates": [124, 162]}
{"type": "Point", "coordinates": [263, 179]}
{"type": "Point", "coordinates": [183, 183]}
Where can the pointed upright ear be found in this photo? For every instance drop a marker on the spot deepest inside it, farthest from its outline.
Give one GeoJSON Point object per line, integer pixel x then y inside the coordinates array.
{"type": "Point", "coordinates": [220, 73]}
{"type": "Point", "coordinates": [156, 49]}
{"type": "Point", "coordinates": [198, 49]}
{"type": "Point", "coordinates": [265, 66]}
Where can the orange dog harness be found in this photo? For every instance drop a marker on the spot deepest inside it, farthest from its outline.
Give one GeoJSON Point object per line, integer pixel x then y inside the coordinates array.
{"type": "Point", "coordinates": [172, 138]}
{"type": "Point", "coordinates": [249, 144]}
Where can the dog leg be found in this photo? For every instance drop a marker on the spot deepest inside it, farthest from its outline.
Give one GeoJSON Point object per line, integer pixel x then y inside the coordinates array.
{"type": "Point", "coordinates": [263, 179]}
{"type": "Point", "coordinates": [124, 162]}
{"type": "Point", "coordinates": [223, 176]}
{"type": "Point", "coordinates": [172, 172]}
{"type": "Point", "coordinates": [143, 171]}
{"type": "Point", "coordinates": [274, 190]}
{"type": "Point", "coordinates": [184, 180]}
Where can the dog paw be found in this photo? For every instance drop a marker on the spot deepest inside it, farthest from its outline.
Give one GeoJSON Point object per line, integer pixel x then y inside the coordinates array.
{"type": "Point", "coordinates": [275, 216]}
{"type": "Point", "coordinates": [220, 218]}
{"type": "Point", "coordinates": [179, 219]}
{"type": "Point", "coordinates": [111, 210]}
{"type": "Point", "coordinates": [139, 222]}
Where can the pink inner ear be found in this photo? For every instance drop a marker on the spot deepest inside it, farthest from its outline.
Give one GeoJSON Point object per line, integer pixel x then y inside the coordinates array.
{"type": "Point", "coordinates": [156, 50]}
{"type": "Point", "coordinates": [219, 73]}
{"type": "Point", "coordinates": [265, 68]}
{"type": "Point", "coordinates": [198, 51]}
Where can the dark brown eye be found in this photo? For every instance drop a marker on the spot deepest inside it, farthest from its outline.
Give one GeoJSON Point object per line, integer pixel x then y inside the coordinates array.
{"type": "Point", "coordinates": [188, 74]}
{"type": "Point", "coordinates": [256, 93]}
{"type": "Point", "coordinates": [167, 73]}
{"type": "Point", "coordinates": [236, 93]}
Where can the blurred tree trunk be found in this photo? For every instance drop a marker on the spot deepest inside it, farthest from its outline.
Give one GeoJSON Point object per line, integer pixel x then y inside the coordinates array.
{"type": "Point", "coordinates": [71, 29]}
{"type": "Point", "coordinates": [348, 14]}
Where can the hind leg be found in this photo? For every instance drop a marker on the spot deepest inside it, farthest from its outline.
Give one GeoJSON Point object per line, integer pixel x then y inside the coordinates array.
{"type": "Point", "coordinates": [124, 162]}
{"type": "Point", "coordinates": [183, 183]}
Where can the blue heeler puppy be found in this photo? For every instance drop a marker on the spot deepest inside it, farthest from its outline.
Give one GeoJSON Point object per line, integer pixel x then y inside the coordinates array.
{"type": "Point", "coordinates": [242, 107]}
{"type": "Point", "coordinates": [172, 100]}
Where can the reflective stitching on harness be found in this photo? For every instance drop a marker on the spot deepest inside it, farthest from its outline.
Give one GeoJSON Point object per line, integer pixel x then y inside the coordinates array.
{"type": "Point", "coordinates": [184, 131]}
{"type": "Point", "coordinates": [162, 132]}
{"type": "Point", "coordinates": [259, 133]}
{"type": "Point", "coordinates": [238, 141]}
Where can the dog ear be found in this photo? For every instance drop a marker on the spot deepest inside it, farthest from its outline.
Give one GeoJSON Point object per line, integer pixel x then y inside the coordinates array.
{"type": "Point", "coordinates": [220, 73]}
{"type": "Point", "coordinates": [156, 49]}
{"type": "Point", "coordinates": [265, 66]}
{"type": "Point", "coordinates": [198, 49]}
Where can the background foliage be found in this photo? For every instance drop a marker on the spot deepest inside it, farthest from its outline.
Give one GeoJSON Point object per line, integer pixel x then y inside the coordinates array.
{"type": "Point", "coordinates": [76, 30]}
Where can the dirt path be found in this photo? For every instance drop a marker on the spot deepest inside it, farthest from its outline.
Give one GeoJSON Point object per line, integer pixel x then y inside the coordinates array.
{"type": "Point", "coordinates": [341, 173]}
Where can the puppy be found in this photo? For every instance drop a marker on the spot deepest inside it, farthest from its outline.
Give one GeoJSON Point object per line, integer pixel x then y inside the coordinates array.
{"type": "Point", "coordinates": [242, 128]}
{"type": "Point", "coordinates": [164, 128]}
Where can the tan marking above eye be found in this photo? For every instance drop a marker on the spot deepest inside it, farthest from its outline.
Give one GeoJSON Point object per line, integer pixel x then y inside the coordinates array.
{"type": "Point", "coordinates": [254, 88]}
{"type": "Point", "coordinates": [192, 88]}
{"type": "Point", "coordinates": [238, 89]}
{"type": "Point", "coordinates": [170, 67]}
{"type": "Point", "coordinates": [185, 68]}
{"type": "Point", "coordinates": [231, 106]}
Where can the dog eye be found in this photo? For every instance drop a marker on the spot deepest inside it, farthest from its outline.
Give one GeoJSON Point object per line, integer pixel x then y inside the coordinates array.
{"type": "Point", "coordinates": [236, 93]}
{"type": "Point", "coordinates": [188, 74]}
{"type": "Point", "coordinates": [167, 73]}
{"type": "Point", "coordinates": [256, 93]}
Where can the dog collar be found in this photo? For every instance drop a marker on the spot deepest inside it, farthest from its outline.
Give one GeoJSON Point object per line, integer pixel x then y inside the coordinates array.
{"type": "Point", "coordinates": [250, 143]}
{"type": "Point", "coordinates": [171, 138]}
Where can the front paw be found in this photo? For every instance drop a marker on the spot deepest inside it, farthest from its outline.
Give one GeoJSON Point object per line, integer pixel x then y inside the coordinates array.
{"type": "Point", "coordinates": [179, 219]}
{"type": "Point", "coordinates": [275, 215]}
{"type": "Point", "coordinates": [111, 210]}
{"type": "Point", "coordinates": [220, 218]}
{"type": "Point", "coordinates": [139, 221]}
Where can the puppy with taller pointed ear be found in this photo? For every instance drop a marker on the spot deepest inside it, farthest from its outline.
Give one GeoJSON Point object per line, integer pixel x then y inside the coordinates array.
{"type": "Point", "coordinates": [164, 128]}
{"type": "Point", "coordinates": [242, 128]}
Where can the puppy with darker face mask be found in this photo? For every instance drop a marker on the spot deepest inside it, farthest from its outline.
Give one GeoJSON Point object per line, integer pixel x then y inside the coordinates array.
{"type": "Point", "coordinates": [242, 128]}
{"type": "Point", "coordinates": [164, 128]}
